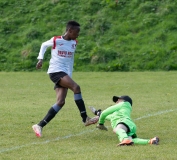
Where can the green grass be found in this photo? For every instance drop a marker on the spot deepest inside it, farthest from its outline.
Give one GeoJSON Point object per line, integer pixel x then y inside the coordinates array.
{"type": "Point", "coordinates": [26, 97]}
{"type": "Point", "coordinates": [133, 35]}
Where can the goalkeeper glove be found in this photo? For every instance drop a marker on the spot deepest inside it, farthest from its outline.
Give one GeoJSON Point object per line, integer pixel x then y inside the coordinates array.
{"type": "Point", "coordinates": [101, 127]}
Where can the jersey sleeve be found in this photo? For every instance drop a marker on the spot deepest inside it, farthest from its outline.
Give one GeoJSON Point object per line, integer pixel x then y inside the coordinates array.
{"type": "Point", "coordinates": [44, 47]}
{"type": "Point", "coordinates": [108, 117]}
{"type": "Point", "coordinates": [105, 114]}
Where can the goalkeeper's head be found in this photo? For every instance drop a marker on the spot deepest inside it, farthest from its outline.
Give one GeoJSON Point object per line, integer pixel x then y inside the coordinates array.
{"type": "Point", "coordinates": [124, 97]}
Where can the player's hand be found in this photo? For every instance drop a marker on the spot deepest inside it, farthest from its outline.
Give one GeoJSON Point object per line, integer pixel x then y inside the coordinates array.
{"type": "Point", "coordinates": [101, 127]}
{"type": "Point", "coordinates": [39, 64]}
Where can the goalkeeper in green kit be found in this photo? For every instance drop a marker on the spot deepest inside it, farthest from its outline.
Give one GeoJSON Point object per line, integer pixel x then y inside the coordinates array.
{"type": "Point", "coordinates": [120, 117]}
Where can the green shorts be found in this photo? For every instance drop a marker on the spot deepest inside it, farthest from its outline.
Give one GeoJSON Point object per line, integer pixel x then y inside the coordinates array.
{"type": "Point", "coordinates": [130, 125]}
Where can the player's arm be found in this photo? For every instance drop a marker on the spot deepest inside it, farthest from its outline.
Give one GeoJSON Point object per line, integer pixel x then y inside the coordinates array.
{"type": "Point", "coordinates": [106, 115]}
{"type": "Point", "coordinates": [43, 49]}
{"type": "Point", "coordinates": [107, 112]}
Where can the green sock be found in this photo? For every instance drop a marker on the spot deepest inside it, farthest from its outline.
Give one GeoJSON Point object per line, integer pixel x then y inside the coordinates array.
{"type": "Point", "coordinates": [121, 134]}
{"type": "Point", "coordinates": [140, 141]}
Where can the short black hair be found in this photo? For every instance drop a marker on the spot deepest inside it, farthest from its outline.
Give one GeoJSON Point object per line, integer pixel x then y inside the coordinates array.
{"type": "Point", "coordinates": [72, 24]}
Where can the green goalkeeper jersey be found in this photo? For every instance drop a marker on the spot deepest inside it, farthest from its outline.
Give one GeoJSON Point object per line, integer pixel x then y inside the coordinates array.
{"type": "Point", "coordinates": [117, 113]}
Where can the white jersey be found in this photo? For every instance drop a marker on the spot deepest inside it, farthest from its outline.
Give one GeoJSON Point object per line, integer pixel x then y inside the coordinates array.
{"type": "Point", "coordinates": [62, 54]}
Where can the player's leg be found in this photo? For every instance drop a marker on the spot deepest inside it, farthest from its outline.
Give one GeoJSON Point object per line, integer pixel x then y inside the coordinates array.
{"type": "Point", "coordinates": [140, 141]}
{"type": "Point", "coordinates": [61, 95]}
{"type": "Point", "coordinates": [121, 130]}
{"type": "Point", "coordinates": [154, 141]}
{"type": "Point", "coordinates": [67, 82]}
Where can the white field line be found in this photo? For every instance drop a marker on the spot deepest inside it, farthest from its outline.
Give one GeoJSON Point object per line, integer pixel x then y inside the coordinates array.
{"type": "Point", "coordinates": [155, 114]}
{"type": "Point", "coordinates": [74, 135]}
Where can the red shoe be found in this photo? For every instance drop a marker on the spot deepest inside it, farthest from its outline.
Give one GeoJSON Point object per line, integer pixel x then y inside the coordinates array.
{"type": "Point", "coordinates": [126, 142]}
{"type": "Point", "coordinates": [37, 130]}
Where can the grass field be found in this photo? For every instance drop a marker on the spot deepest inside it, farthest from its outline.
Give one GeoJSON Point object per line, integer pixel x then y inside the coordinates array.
{"type": "Point", "coordinates": [26, 97]}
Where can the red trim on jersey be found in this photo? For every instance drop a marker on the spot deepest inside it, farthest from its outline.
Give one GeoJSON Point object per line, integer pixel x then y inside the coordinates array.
{"type": "Point", "coordinates": [54, 41]}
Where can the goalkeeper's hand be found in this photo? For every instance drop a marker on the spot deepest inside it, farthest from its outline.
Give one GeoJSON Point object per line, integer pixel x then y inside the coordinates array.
{"type": "Point", "coordinates": [101, 127]}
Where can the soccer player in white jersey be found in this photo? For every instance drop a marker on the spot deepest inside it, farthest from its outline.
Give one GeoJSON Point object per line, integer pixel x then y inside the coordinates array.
{"type": "Point", "coordinates": [60, 72]}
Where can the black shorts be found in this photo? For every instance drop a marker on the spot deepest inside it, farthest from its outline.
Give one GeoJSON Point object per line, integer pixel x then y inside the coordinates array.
{"type": "Point", "coordinates": [55, 78]}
